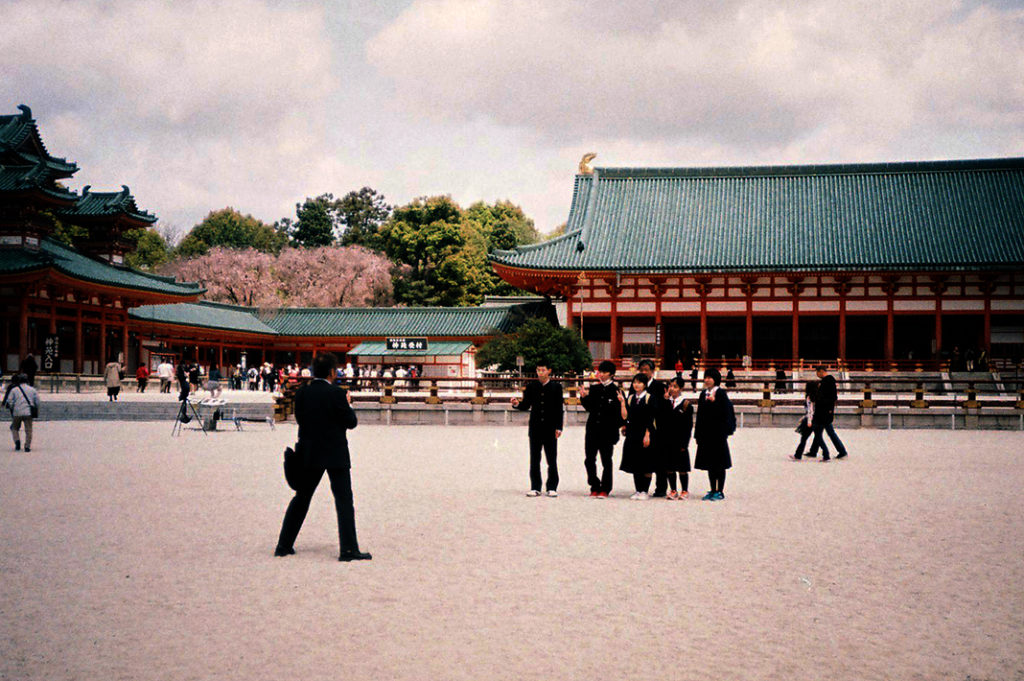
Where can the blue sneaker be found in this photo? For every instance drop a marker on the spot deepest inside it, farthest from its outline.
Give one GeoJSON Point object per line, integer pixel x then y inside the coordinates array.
{"type": "Point", "coordinates": [718, 496]}
{"type": "Point", "coordinates": [710, 496]}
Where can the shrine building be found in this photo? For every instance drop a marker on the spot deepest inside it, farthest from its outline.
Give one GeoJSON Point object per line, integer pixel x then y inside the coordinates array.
{"type": "Point", "coordinates": [870, 263]}
{"type": "Point", "coordinates": [76, 307]}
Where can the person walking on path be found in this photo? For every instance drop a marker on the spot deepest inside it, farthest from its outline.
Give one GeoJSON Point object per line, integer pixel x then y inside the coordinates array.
{"type": "Point", "coordinates": [324, 414]}
{"type": "Point", "coordinates": [543, 399]}
{"type": "Point", "coordinates": [637, 453]}
{"type": "Point", "coordinates": [604, 402]}
{"type": "Point", "coordinates": [23, 402]}
{"type": "Point", "coordinates": [112, 375]}
{"type": "Point", "coordinates": [825, 414]}
{"type": "Point", "coordinates": [716, 421]}
{"type": "Point", "coordinates": [165, 370]}
{"type": "Point", "coordinates": [675, 426]}
{"type": "Point", "coordinates": [805, 427]}
{"type": "Point", "coordinates": [141, 378]}
{"type": "Point", "coordinates": [29, 367]}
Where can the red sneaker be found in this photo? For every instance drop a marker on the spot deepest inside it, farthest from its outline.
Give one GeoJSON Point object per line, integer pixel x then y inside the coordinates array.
{"type": "Point", "coordinates": [594, 494]}
{"type": "Point", "coordinates": [602, 495]}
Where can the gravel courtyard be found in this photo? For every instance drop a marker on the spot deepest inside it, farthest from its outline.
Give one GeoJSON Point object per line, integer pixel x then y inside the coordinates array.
{"type": "Point", "coordinates": [129, 554]}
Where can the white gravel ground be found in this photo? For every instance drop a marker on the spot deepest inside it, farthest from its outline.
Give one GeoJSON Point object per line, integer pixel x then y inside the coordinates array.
{"type": "Point", "coordinates": [131, 555]}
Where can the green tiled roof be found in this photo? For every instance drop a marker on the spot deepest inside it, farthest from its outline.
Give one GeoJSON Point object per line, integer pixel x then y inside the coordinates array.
{"type": "Point", "coordinates": [108, 204]}
{"type": "Point", "coordinates": [21, 145]}
{"type": "Point", "coordinates": [431, 322]}
{"type": "Point", "coordinates": [890, 216]}
{"type": "Point", "coordinates": [203, 314]}
{"type": "Point", "coordinates": [379, 349]}
{"type": "Point", "coordinates": [74, 264]}
{"type": "Point", "coordinates": [399, 321]}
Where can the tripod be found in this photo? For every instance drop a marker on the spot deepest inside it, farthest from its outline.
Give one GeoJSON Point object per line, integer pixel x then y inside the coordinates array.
{"type": "Point", "coordinates": [183, 417]}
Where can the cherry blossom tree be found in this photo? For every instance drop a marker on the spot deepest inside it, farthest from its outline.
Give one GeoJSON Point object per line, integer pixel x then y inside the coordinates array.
{"type": "Point", "coordinates": [353, 276]}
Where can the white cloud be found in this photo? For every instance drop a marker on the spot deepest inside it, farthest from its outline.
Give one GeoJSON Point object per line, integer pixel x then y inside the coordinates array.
{"type": "Point", "coordinates": [740, 74]}
{"type": "Point", "coordinates": [193, 104]}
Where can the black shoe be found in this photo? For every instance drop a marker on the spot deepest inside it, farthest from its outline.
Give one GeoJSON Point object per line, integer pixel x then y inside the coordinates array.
{"type": "Point", "coordinates": [347, 556]}
{"type": "Point", "coordinates": [280, 552]}
{"type": "Point", "coordinates": [659, 494]}
{"type": "Point", "coordinates": [27, 448]}
{"type": "Point", "coordinates": [841, 456]}
{"type": "Point", "coordinates": [17, 446]}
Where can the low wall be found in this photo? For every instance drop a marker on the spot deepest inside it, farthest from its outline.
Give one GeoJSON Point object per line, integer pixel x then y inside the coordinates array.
{"type": "Point", "coordinates": [462, 414]}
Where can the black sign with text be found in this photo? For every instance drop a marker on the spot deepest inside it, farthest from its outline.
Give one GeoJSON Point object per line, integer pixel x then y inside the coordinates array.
{"type": "Point", "coordinates": [51, 353]}
{"type": "Point", "coordinates": [406, 343]}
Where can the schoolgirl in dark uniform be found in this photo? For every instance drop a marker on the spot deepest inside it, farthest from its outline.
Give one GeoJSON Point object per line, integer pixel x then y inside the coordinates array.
{"type": "Point", "coordinates": [716, 421]}
{"type": "Point", "coordinates": [637, 453]}
{"type": "Point", "coordinates": [675, 424]}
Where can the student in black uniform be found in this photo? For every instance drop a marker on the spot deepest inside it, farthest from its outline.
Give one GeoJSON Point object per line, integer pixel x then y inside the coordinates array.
{"type": "Point", "coordinates": [674, 425]}
{"type": "Point", "coordinates": [637, 453]}
{"type": "Point", "coordinates": [543, 399]}
{"type": "Point", "coordinates": [656, 389]}
{"type": "Point", "coordinates": [716, 421]}
{"type": "Point", "coordinates": [604, 402]}
{"type": "Point", "coordinates": [825, 414]}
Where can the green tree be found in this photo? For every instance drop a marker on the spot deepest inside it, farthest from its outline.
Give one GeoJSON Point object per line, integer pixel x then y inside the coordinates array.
{"type": "Point", "coordinates": [361, 213]}
{"type": "Point", "coordinates": [504, 226]}
{"type": "Point", "coordinates": [537, 339]}
{"type": "Point", "coordinates": [316, 221]}
{"type": "Point", "coordinates": [230, 229]}
{"type": "Point", "coordinates": [442, 255]}
{"type": "Point", "coordinates": [151, 249]}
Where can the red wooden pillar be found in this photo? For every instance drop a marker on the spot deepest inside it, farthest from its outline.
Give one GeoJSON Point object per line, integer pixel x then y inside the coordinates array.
{"type": "Point", "coordinates": [938, 329]}
{"type": "Point", "coordinates": [53, 319]}
{"type": "Point", "coordinates": [890, 333]}
{"type": "Point", "coordinates": [750, 328]}
{"type": "Point", "coordinates": [986, 333]}
{"type": "Point", "coordinates": [220, 356]}
{"type": "Point", "coordinates": [79, 343]}
{"type": "Point", "coordinates": [796, 329]}
{"type": "Point", "coordinates": [23, 328]}
{"type": "Point", "coordinates": [124, 341]}
{"type": "Point", "coordinates": [704, 328]}
{"type": "Point", "coordinates": [103, 341]}
{"type": "Point", "coordinates": [616, 332]}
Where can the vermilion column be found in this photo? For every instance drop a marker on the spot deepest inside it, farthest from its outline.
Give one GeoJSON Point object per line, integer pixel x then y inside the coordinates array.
{"type": "Point", "coordinates": [704, 328]}
{"type": "Point", "coordinates": [23, 328]}
{"type": "Point", "coordinates": [796, 329]}
{"type": "Point", "coordinates": [616, 333]}
{"type": "Point", "coordinates": [750, 328]}
{"type": "Point", "coordinates": [103, 341]}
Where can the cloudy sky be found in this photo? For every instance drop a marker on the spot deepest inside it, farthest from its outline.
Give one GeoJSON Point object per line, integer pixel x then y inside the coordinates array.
{"type": "Point", "coordinates": [257, 104]}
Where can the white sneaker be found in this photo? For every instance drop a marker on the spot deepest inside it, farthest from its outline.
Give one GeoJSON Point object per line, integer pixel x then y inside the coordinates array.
{"type": "Point", "coordinates": [634, 496]}
{"type": "Point", "coordinates": [642, 496]}
{"type": "Point", "coordinates": [533, 493]}
{"type": "Point", "coordinates": [552, 493]}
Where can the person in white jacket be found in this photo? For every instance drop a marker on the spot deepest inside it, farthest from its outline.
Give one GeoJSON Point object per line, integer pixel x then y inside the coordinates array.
{"type": "Point", "coordinates": [21, 399]}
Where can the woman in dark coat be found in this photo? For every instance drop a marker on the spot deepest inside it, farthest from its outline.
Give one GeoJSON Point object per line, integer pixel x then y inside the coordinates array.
{"type": "Point", "coordinates": [716, 421]}
{"type": "Point", "coordinates": [637, 453]}
{"type": "Point", "coordinates": [675, 424]}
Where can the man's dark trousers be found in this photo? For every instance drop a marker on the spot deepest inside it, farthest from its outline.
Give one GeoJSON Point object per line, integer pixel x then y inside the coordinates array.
{"type": "Point", "coordinates": [548, 441]}
{"type": "Point", "coordinates": [819, 441]}
{"type": "Point", "coordinates": [341, 487]}
{"type": "Point", "coordinates": [592, 446]}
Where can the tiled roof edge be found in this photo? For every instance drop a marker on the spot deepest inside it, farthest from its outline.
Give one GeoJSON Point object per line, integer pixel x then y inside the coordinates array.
{"type": "Point", "coordinates": [975, 165]}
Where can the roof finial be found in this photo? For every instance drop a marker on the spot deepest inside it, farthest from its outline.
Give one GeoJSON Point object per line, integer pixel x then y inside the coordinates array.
{"type": "Point", "coordinates": [26, 113]}
{"type": "Point", "coordinates": [585, 167]}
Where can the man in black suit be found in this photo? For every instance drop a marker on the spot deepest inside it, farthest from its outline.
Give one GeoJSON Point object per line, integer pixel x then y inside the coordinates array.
{"type": "Point", "coordinates": [604, 402]}
{"type": "Point", "coordinates": [824, 415]}
{"type": "Point", "coordinates": [543, 399]}
{"type": "Point", "coordinates": [656, 389]}
{"type": "Point", "coordinates": [324, 413]}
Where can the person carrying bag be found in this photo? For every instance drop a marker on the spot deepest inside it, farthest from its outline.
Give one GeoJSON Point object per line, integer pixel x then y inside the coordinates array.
{"type": "Point", "coordinates": [23, 402]}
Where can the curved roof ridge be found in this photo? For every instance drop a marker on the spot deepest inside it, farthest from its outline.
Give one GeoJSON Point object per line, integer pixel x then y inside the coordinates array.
{"type": "Point", "coordinates": [876, 168]}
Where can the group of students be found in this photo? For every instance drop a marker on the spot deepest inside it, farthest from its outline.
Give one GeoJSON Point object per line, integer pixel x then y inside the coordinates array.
{"type": "Point", "coordinates": [655, 421]}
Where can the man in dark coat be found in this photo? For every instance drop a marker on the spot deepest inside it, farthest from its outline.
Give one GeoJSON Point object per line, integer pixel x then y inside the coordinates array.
{"type": "Point", "coordinates": [183, 385]}
{"type": "Point", "coordinates": [656, 389]}
{"type": "Point", "coordinates": [29, 367]}
{"type": "Point", "coordinates": [543, 399]}
{"type": "Point", "coordinates": [324, 414]}
{"type": "Point", "coordinates": [824, 415]}
{"type": "Point", "coordinates": [603, 401]}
